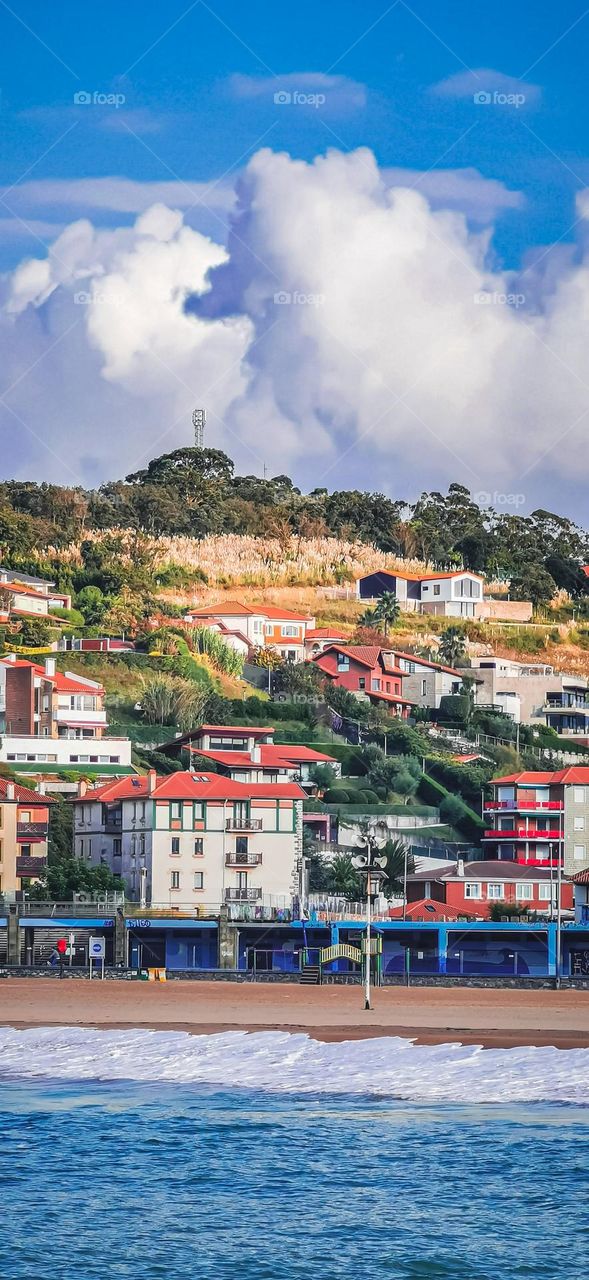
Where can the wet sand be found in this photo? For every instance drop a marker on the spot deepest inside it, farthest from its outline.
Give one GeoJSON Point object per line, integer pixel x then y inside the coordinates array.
{"type": "Point", "coordinates": [492, 1017]}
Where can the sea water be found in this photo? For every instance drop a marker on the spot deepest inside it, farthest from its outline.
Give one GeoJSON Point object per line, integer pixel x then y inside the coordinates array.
{"type": "Point", "coordinates": [261, 1157]}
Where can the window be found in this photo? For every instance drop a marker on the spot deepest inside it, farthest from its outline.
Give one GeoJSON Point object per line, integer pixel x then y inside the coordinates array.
{"type": "Point", "coordinates": [142, 845]}
{"type": "Point", "coordinates": [25, 815]}
{"type": "Point", "coordinates": [375, 682]}
{"type": "Point", "coordinates": [116, 846]}
{"type": "Point", "coordinates": [174, 880]}
{"type": "Point", "coordinates": [495, 891]}
{"type": "Point", "coordinates": [473, 890]}
{"type": "Point", "coordinates": [175, 844]}
{"type": "Point", "coordinates": [579, 851]}
{"type": "Point", "coordinates": [199, 880]}
{"type": "Point", "coordinates": [436, 589]}
{"type": "Point", "coordinates": [199, 848]}
{"type": "Point", "coordinates": [290, 631]}
{"type": "Point", "coordinates": [579, 824]}
{"type": "Point", "coordinates": [361, 682]}
{"type": "Point", "coordinates": [524, 892]}
{"type": "Point", "coordinates": [241, 843]}
{"type": "Point", "coordinates": [175, 810]}
{"type": "Point", "coordinates": [579, 795]}
{"type": "Point", "coordinates": [423, 688]}
{"type": "Point", "coordinates": [545, 892]}
{"type": "Point", "coordinates": [343, 662]}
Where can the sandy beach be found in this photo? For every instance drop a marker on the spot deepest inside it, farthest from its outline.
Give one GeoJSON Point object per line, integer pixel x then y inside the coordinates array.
{"type": "Point", "coordinates": [495, 1018]}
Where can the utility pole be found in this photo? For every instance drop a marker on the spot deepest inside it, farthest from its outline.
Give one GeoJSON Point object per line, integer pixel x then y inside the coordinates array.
{"type": "Point", "coordinates": [372, 865]}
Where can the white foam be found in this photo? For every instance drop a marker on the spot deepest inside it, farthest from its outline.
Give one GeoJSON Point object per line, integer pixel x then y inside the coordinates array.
{"type": "Point", "coordinates": [289, 1063]}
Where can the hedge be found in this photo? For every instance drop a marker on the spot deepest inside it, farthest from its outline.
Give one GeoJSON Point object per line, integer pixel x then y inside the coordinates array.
{"type": "Point", "coordinates": [433, 792]}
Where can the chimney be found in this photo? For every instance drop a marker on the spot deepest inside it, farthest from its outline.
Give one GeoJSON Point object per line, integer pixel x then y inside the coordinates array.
{"type": "Point", "coordinates": [10, 790]}
{"type": "Point", "coordinates": [50, 666]}
{"type": "Point", "coordinates": [151, 781]}
{"type": "Point", "coordinates": [42, 787]}
{"type": "Point", "coordinates": [82, 787]}
{"type": "Point", "coordinates": [256, 753]}
{"type": "Point", "coordinates": [460, 867]}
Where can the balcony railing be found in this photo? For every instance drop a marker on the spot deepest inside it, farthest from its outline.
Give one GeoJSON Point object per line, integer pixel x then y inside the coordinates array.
{"type": "Point", "coordinates": [522, 835]}
{"type": "Point", "coordinates": [523, 804]}
{"type": "Point", "coordinates": [243, 824]}
{"type": "Point", "coordinates": [29, 866]}
{"type": "Point", "coordinates": [31, 831]}
{"type": "Point", "coordinates": [243, 895]}
{"type": "Point", "coordinates": [243, 859]}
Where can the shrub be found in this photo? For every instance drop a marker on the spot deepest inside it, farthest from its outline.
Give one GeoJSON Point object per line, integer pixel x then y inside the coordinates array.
{"type": "Point", "coordinates": [455, 708]}
{"type": "Point", "coordinates": [452, 810]}
{"type": "Point", "coordinates": [335, 795]}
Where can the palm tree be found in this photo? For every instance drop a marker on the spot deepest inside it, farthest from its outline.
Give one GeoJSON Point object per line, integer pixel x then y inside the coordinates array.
{"type": "Point", "coordinates": [397, 854]}
{"type": "Point", "coordinates": [388, 610]}
{"type": "Point", "coordinates": [369, 618]}
{"type": "Point", "coordinates": [343, 879]}
{"type": "Point", "coordinates": [452, 645]}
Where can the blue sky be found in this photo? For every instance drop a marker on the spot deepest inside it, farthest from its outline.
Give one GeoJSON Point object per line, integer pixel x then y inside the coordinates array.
{"type": "Point", "coordinates": [175, 69]}
{"type": "Point", "coordinates": [184, 95]}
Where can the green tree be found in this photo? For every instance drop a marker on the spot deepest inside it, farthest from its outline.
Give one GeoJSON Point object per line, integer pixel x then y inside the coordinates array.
{"type": "Point", "coordinates": [388, 611]}
{"type": "Point", "coordinates": [344, 880]}
{"type": "Point", "coordinates": [452, 645]}
{"type": "Point", "coordinates": [93, 603]}
{"type": "Point", "coordinates": [533, 583]}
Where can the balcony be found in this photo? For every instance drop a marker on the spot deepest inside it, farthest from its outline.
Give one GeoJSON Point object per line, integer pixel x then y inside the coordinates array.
{"type": "Point", "coordinates": [34, 831]}
{"type": "Point", "coordinates": [243, 859]}
{"type": "Point", "coordinates": [522, 835]}
{"type": "Point", "coordinates": [514, 805]}
{"type": "Point", "coordinates": [29, 866]}
{"type": "Point", "coordinates": [243, 895]}
{"type": "Point", "coordinates": [243, 824]}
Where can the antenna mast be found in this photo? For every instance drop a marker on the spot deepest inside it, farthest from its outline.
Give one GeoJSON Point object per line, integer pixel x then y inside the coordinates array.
{"type": "Point", "coordinates": [199, 419]}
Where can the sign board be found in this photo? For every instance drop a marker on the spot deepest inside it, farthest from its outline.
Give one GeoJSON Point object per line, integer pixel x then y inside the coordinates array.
{"type": "Point", "coordinates": [97, 948]}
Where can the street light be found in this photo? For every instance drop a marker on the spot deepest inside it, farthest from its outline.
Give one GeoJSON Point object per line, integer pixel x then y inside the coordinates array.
{"type": "Point", "coordinates": [371, 864]}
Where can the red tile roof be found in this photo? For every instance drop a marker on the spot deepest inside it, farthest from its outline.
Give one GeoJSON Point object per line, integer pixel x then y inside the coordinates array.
{"type": "Point", "coordinates": [492, 869]}
{"type": "Point", "coordinates": [190, 786]}
{"type": "Point", "coordinates": [425, 662]}
{"type": "Point", "coordinates": [325, 633]}
{"type": "Point", "coordinates": [63, 683]}
{"type": "Point", "coordinates": [580, 877]}
{"type": "Point", "coordinates": [428, 909]}
{"type": "Point", "coordinates": [272, 756]}
{"type": "Point", "coordinates": [235, 609]}
{"type": "Point", "coordinates": [576, 774]}
{"type": "Point", "coordinates": [22, 795]}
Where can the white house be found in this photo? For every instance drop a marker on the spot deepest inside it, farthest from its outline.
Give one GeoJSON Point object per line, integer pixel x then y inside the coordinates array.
{"type": "Point", "coordinates": [455, 594]}
{"type": "Point", "coordinates": [195, 841]}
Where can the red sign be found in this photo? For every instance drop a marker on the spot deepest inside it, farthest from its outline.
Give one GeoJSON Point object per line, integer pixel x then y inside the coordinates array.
{"type": "Point", "coordinates": [61, 945]}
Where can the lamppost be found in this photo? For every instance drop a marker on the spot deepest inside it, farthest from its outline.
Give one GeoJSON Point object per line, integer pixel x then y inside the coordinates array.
{"type": "Point", "coordinates": [371, 864]}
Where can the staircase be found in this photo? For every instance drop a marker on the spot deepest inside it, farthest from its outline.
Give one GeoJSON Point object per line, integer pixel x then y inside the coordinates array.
{"type": "Point", "coordinates": [311, 975]}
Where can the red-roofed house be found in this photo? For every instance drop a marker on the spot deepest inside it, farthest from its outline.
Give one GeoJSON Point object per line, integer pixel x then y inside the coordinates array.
{"type": "Point", "coordinates": [20, 593]}
{"type": "Point", "coordinates": [54, 717]}
{"type": "Point", "coordinates": [319, 638]}
{"type": "Point", "coordinates": [472, 888]}
{"type": "Point", "coordinates": [539, 817]}
{"type": "Point", "coordinates": [458, 593]}
{"type": "Point", "coordinates": [264, 625]}
{"type": "Point", "coordinates": [195, 840]}
{"type": "Point", "coordinates": [366, 670]}
{"type": "Point", "coordinates": [249, 754]}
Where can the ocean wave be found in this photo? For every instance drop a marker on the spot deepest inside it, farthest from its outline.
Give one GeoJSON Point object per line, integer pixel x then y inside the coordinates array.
{"type": "Point", "coordinates": [284, 1062]}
